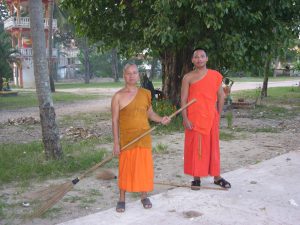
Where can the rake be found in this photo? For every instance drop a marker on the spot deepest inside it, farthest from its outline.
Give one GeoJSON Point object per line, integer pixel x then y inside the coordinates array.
{"type": "Point", "coordinates": [61, 190]}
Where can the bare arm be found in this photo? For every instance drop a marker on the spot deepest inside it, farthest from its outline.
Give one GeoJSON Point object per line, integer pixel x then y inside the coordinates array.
{"type": "Point", "coordinates": [221, 97]}
{"type": "Point", "coordinates": [156, 118]}
{"type": "Point", "coordinates": [115, 108]}
{"type": "Point", "coordinates": [184, 98]}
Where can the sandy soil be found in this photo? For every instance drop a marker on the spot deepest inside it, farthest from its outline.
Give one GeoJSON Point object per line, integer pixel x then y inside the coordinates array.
{"type": "Point", "coordinates": [92, 195]}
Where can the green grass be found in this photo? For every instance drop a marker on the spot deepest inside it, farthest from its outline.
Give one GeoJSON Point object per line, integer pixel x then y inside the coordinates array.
{"type": "Point", "coordinates": [22, 162]}
{"type": "Point", "coordinates": [160, 149]}
{"type": "Point", "coordinates": [260, 79]}
{"type": "Point", "coordinates": [2, 206]}
{"type": "Point", "coordinates": [84, 118]}
{"type": "Point", "coordinates": [288, 95]}
{"type": "Point", "coordinates": [157, 83]}
{"type": "Point", "coordinates": [225, 136]}
{"type": "Point", "coordinates": [90, 85]}
{"type": "Point", "coordinates": [29, 99]}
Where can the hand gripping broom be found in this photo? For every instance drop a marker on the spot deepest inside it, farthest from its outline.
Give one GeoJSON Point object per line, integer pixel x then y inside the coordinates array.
{"type": "Point", "coordinates": [61, 190]}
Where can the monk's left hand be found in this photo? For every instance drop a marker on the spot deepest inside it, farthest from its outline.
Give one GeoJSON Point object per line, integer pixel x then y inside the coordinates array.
{"type": "Point", "coordinates": [165, 120]}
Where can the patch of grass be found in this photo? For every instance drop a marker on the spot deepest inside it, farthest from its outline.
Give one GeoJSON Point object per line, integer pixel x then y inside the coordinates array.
{"type": "Point", "coordinates": [2, 206]}
{"type": "Point", "coordinates": [285, 95]}
{"type": "Point", "coordinates": [273, 112]}
{"type": "Point", "coordinates": [265, 130]}
{"type": "Point", "coordinates": [229, 119]}
{"type": "Point", "coordinates": [72, 199]}
{"type": "Point", "coordinates": [27, 99]}
{"type": "Point", "coordinates": [84, 118]}
{"type": "Point", "coordinates": [225, 136]}
{"type": "Point", "coordinates": [165, 108]}
{"type": "Point", "coordinates": [160, 148]}
{"type": "Point", "coordinates": [94, 192]}
{"type": "Point", "coordinates": [23, 162]}
{"type": "Point", "coordinates": [260, 79]}
{"type": "Point", "coordinates": [89, 85]}
{"type": "Point", "coordinates": [52, 213]}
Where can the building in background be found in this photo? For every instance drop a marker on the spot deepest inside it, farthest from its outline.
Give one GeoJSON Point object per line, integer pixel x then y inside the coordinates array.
{"type": "Point", "coordinates": [18, 25]}
{"type": "Point", "coordinates": [69, 63]}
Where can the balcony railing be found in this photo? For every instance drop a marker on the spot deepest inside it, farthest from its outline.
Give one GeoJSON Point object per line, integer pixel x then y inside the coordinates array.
{"type": "Point", "coordinates": [27, 52]}
{"type": "Point", "coordinates": [24, 22]}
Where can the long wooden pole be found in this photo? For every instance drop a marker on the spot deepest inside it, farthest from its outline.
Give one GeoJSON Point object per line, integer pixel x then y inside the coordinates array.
{"type": "Point", "coordinates": [76, 180]}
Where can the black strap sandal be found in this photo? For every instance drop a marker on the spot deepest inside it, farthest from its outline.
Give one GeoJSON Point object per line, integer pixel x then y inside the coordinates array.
{"type": "Point", "coordinates": [195, 185]}
{"type": "Point", "coordinates": [120, 207]}
{"type": "Point", "coordinates": [223, 183]}
{"type": "Point", "coordinates": [146, 203]}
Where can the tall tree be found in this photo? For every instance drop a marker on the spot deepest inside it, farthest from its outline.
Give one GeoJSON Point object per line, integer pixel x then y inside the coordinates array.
{"type": "Point", "coordinates": [50, 44]}
{"type": "Point", "coordinates": [50, 131]}
{"type": "Point", "coordinates": [173, 28]}
{"type": "Point", "coordinates": [6, 54]}
{"type": "Point", "coordinates": [114, 64]}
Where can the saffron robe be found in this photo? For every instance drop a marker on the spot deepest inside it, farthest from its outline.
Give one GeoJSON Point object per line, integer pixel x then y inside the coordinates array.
{"type": "Point", "coordinates": [135, 162]}
{"type": "Point", "coordinates": [201, 146]}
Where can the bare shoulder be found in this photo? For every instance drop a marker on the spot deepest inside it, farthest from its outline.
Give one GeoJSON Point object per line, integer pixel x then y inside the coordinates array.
{"type": "Point", "coordinates": [188, 76]}
{"type": "Point", "coordinates": [117, 95]}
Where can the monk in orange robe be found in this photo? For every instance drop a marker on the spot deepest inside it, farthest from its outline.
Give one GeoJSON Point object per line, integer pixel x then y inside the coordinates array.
{"type": "Point", "coordinates": [131, 108]}
{"type": "Point", "coordinates": [201, 121]}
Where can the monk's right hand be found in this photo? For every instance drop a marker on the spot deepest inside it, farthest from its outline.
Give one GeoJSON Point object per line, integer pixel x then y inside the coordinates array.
{"type": "Point", "coordinates": [116, 150]}
{"type": "Point", "coordinates": [187, 124]}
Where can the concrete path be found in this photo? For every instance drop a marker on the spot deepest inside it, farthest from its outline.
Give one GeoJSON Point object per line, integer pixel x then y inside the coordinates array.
{"type": "Point", "coordinates": [264, 193]}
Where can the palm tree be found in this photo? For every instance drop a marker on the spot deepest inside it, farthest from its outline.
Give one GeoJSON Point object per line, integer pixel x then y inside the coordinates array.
{"type": "Point", "coordinates": [50, 130]}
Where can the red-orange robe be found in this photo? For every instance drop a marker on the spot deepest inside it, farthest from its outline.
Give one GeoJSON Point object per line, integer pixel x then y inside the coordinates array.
{"type": "Point", "coordinates": [201, 147]}
{"type": "Point", "coordinates": [135, 162]}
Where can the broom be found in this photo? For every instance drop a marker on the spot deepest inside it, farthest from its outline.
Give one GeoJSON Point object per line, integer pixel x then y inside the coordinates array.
{"type": "Point", "coordinates": [109, 175]}
{"type": "Point", "coordinates": [63, 189]}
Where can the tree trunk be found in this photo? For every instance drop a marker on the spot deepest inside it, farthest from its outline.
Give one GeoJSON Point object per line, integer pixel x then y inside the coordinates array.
{"type": "Point", "coordinates": [267, 69]}
{"type": "Point", "coordinates": [86, 55]}
{"type": "Point", "coordinates": [153, 65]}
{"type": "Point", "coordinates": [114, 64]}
{"type": "Point", "coordinates": [50, 44]}
{"type": "Point", "coordinates": [174, 66]}
{"type": "Point", "coordinates": [50, 131]}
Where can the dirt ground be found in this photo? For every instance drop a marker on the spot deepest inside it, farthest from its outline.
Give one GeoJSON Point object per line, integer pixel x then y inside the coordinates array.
{"type": "Point", "coordinates": [247, 147]}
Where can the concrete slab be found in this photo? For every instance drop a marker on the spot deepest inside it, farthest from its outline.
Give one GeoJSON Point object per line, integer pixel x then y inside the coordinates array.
{"type": "Point", "coordinates": [265, 193]}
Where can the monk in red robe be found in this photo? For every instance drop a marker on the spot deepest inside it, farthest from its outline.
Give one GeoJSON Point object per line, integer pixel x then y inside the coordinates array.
{"type": "Point", "coordinates": [201, 121]}
{"type": "Point", "coordinates": [131, 108]}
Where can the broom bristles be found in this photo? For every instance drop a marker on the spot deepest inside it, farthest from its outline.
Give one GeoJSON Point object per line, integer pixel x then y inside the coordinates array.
{"type": "Point", "coordinates": [44, 193]}
{"type": "Point", "coordinates": [59, 194]}
{"type": "Point", "coordinates": [106, 175]}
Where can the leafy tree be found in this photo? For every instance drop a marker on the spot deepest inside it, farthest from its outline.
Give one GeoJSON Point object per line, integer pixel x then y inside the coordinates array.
{"type": "Point", "coordinates": [50, 131]}
{"type": "Point", "coordinates": [6, 54]}
{"type": "Point", "coordinates": [235, 33]}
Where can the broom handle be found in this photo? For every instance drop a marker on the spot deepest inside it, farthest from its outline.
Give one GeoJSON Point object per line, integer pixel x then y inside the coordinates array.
{"type": "Point", "coordinates": [107, 159]}
{"type": "Point", "coordinates": [188, 186]}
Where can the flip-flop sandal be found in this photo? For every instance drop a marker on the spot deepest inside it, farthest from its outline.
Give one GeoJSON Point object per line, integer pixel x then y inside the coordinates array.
{"type": "Point", "coordinates": [146, 203]}
{"type": "Point", "coordinates": [223, 183]}
{"type": "Point", "coordinates": [195, 185]}
{"type": "Point", "coordinates": [120, 207]}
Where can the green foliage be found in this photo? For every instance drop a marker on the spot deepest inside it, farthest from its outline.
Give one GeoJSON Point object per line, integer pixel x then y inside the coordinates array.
{"type": "Point", "coordinates": [238, 35]}
{"type": "Point", "coordinates": [6, 52]}
{"type": "Point", "coordinates": [225, 136]}
{"type": "Point", "coordinates": [20, 162]}
{"type": "Point", "coordinates": [165, 108]}
{"type": "Point", "coordinates": [160, 148]}
{"type": "Point", "coordinates": [229, 119]}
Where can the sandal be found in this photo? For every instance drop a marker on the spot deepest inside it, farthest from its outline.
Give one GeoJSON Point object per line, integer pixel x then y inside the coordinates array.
{"type": "Point", "coordinates": [120, 207]}
{"type": "Point", "coordinates": [195, 185]}
{"type": "Point", "coordinates": [223, 183]}
{"type": "Point", "coordinates": [146, 203]}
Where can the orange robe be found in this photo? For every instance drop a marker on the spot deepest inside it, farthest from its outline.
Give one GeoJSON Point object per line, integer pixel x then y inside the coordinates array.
{"type": "Point", "coordinates": [135, 162]}
{"type": "Point", "coordinates": [201, 147]}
